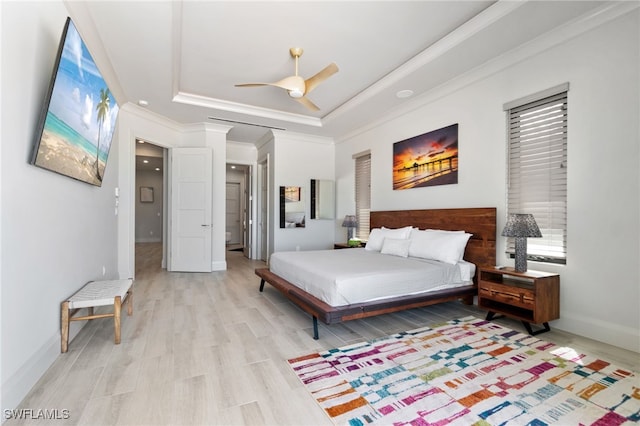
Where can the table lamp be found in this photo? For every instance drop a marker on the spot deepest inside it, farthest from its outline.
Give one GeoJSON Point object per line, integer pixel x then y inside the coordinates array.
{"type": "Point", "coordinates": [350, 223]}
{"type": "Point", "coordinates": [521, 226]}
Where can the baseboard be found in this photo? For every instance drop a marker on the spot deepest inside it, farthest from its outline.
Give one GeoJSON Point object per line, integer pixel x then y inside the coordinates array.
{"type": "Point", "coordinates": [618, 335]}
{"type": "Point", "coordinates": [220, 265]}
{"type": "Point", "coordinates": [16, 387]}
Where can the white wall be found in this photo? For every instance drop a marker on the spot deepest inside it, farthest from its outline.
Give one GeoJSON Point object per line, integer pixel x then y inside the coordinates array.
{"type": "Point", "coordinates": [297, 159]}
{"type": "Point", "coordinates": [600, 282]}
{"type": "Point", "coordinates": [57, 233]}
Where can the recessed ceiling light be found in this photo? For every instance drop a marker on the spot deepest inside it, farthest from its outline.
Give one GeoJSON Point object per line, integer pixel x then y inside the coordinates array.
{"type": "Point", "coordinates": [140, 141]}
{"type": "Point", "coordinates": [233, 167]}
{"type": "Point", "coordinates": [145, 161]}
{"type": "Point", "coordinates": [404, 94]}
{"type": "Point", "coordinates": [143, 103]}
{"type": "Point", "coordinates": [158, 169]}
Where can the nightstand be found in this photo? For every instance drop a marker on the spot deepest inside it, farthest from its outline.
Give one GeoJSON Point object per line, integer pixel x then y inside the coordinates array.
{"type": "Point", "coordinates": [531, 296]}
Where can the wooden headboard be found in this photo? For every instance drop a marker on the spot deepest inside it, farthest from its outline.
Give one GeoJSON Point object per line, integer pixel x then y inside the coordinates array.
{"type": "Point", "coordinates": [481, 222]}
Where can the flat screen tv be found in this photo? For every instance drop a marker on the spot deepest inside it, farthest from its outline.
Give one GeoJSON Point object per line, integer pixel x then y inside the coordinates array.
{"type": "Point", "coordinates": [78, 117]}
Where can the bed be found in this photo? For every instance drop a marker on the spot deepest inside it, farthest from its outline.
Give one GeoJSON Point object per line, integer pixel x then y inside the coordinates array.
{"type": "Point", "coordinates": [480, 251]}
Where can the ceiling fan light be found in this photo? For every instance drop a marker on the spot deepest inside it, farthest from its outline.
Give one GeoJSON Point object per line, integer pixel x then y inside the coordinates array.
{"type": "Point", "coordinates": [296, 93]}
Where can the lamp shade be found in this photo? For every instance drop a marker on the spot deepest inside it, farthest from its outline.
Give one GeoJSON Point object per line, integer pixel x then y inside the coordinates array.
{"type": "Point", "coordinates": [349, 221]}
{"type": "Point", "coordinates": [521, 225]}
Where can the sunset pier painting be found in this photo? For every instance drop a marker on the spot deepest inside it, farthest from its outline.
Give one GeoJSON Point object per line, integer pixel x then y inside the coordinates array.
{"type": "Point", "coordinates": [426, 160]}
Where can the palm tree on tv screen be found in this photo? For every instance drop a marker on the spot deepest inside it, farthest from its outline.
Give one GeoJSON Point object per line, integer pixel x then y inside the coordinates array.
{"type": "Point", "coordinates": [103, 109]}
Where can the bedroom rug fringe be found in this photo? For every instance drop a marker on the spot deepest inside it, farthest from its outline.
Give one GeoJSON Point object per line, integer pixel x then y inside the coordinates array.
{"type": "Point", "coordinates": [467, 372]}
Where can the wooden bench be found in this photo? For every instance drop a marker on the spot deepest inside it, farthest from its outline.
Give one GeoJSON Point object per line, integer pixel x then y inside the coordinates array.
{"type": "Point", "coordinates": [94, 294]}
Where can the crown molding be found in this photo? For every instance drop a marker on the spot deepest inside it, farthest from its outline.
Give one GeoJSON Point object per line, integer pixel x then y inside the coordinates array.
{"type": "Point", "coordinates": [219, 104]}
{"type": "Point", "coordinates": [280, 135]}
{"type": "Point", "coordinates": [205, 127]}
{"type": "Point", "coordinates": [145, 114]}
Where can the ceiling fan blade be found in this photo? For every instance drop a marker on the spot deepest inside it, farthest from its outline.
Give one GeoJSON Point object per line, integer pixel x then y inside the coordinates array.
{"type": "Point", "coordinates": [292, 84]}
{"type": "Point", "coordinates": [307, 103]}
{"type": "Point", "coordinates": [313, 82]}
{"type": "Point", "coordinates": [252, 84]}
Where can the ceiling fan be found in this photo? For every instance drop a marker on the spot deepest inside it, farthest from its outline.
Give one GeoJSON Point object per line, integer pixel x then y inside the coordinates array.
{"type": "Point", "coordinates": [297, 87]}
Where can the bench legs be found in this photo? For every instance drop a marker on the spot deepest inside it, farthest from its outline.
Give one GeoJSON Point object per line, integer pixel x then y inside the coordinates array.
{"type": "Point", "coordinates": [64, 326]}
{"type": "Point", "coordinates": [117, 304]}
{"type": "Point", "coordinates": [129, 300]}
{"type": "Point", "coordinates": [66, 316]}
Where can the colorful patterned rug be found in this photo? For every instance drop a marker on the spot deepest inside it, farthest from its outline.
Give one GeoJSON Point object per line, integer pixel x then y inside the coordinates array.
{"type": "Point", "coordinates": [468, 372]}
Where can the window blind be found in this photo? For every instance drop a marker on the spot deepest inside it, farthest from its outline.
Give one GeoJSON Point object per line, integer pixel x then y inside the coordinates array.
{"type": "Point", "coordinates": [537, 175]}
{"type": "Point", "coordinates": [363, 194]}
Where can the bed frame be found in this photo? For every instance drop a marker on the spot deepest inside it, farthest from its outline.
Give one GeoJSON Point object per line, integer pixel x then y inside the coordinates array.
{"type": "Point", "coordinates": [480, 250]}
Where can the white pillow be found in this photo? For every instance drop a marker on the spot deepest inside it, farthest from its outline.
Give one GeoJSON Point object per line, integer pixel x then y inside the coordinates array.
{"type": "Point", "coordinates": [444, 246]}
{"type": "Point", "coordinates": [401, 232]}
{"type": "Point", "coordinates": [377, 236]}
{"type": "Point", "coordinates": [396, 247]}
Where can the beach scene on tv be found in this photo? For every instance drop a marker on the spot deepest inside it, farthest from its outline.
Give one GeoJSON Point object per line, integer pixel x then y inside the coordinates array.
{"type": "Point", "coordinates": [81, 118]}
{"type": "Point", "coordinates": [426, 160]}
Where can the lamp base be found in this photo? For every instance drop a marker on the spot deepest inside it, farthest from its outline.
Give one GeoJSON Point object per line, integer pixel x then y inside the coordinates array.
{"type": "Point", "coordinates": [521, 254]}
{"type": "Point", "coordinates": [350, 233]}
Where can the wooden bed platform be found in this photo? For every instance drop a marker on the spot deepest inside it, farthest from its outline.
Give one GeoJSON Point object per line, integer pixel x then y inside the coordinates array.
{"type": "Point", "coordinates": [480, 250]}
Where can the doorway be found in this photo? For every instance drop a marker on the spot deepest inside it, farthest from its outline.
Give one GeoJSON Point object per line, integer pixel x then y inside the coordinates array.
{"type": "Point", "coordinates": [238, 208]}
{"type": "Point", "coordinates": [150, 204]}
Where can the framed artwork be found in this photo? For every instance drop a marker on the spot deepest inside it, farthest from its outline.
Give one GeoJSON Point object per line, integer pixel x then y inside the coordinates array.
{"type": "Point", "coordinates": [146, 194]}
{"type": "Point", "coordinates": [291, 194]}
{"type": "Point", "coordinates": [427, 160]}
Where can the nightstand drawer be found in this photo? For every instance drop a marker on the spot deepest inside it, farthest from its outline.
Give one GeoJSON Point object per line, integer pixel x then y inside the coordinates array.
{"type": "Point", "coordinates": [515, 296]}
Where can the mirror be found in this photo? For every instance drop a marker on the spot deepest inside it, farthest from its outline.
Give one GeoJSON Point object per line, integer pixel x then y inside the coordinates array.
{"type": "Point", "coordinates": [291, 207]}
{"type": "Point", "coordinates": [322, 199]}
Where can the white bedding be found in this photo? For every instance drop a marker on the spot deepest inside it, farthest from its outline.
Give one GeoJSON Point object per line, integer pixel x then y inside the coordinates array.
{"type": "Point", "coordinates": [344, 277]}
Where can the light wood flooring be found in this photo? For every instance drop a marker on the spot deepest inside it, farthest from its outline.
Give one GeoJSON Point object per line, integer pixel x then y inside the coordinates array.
{"type": "Point", "coordinates": [211, 349]}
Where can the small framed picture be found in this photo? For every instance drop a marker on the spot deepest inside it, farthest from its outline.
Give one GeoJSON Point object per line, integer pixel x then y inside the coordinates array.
{"type": "Point", "coordinates": [146, 194]}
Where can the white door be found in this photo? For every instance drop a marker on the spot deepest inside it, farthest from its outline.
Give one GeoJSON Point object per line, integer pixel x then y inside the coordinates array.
{"type": "Point", "coordinates": [191, 186]}
{"type": "Point", "coordinates": [233, 204]}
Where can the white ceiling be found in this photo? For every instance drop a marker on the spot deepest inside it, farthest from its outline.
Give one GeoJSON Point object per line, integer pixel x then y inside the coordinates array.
{"type": "Point", "coordinates": [184, 57]}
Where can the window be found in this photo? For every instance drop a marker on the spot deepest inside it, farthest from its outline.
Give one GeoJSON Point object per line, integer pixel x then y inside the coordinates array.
{"type": "Point", "coordinates": [537, 170]}
{"type": "Point", "coordinates": [363, 193]}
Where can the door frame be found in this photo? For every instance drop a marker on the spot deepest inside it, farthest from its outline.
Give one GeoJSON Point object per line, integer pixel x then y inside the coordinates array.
{"type": "Point", "coordinates": [262, 204]}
